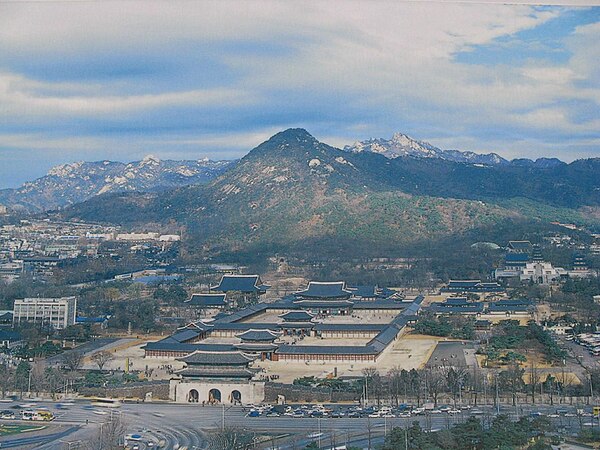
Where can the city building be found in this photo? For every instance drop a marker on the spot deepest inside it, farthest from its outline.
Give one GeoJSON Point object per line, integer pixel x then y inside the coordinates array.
{"type": "Point", "coordinates": [57, 313]}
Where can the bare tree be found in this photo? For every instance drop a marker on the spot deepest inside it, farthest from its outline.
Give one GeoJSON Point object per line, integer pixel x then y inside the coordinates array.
{"type": "Point", "coordinates": [6, 378]}
{"type": "Point", "coordinates": [53, 380]}
{"type": "Point", "coordinates": [102, 358]}
{"type": "Point", "coordinates": [436, 382]}
{"type": "Point", "coordinates": [231, 438]}
{"type": "Point", "coordinates": [110, 434]}
{"type": "Point", "coordinates": [512, 380]}
{"type": "Point", "coordinates": [72, 359]}
{"type": "Point", "coordinates": [534, 379]}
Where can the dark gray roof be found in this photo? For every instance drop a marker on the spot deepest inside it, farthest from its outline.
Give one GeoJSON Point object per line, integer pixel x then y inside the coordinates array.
{"type": "Point", "coordinates": [325, 350]}
{"type": "Point", "coordinates": [379, 304]}
{"type": "Point", "coordinates": [258, 335]}
{"type": "Point", "coordinates": [244, 313]}
{"type": "Point", "coordinates": [235, 358]}
{"type": "Point", "coordinates": [185, 335]}
{"type": "Point", "coordinates": [349, 326]}
{"type": "Point", "coordinates": [463, 283]}
{"type": "Point", "coordinates": [472, 286]}
{"type": "Point", "coordinates": [207, 300]}
{"type": "Point", "coordinates": [11, 336]}
{"type": "Point", "coordinates": [322, 304]}
{"type": "Point", "coordinates": [296, 316]}
{"type": "Point", "coordinates": [198, 325]}
{"type": "Point", "coordinates": [297, 325]}
{"type": "Point", "coordinates": [444, 308]}
{"type": "Point", "coordinates": [256, 346]}
{"type": "Point", "coordinates": [216, 372]}
{"type": "Point", "coordinates": [317, 289]}
{"type": "Point", "coordinates": [243, 326]}
{"type": "Point", "coordinates": [513, 305]}
{"type": "Point", "coordinates": [365, 291]}
{"type": "Point", "coordinates": [521, 258]}
{"type": "Point", "coordinates": [519, 245]}
{"type": "Point", "coordinates": [170, 345]}
{"type": "Point", "coordinates": [241, 283]}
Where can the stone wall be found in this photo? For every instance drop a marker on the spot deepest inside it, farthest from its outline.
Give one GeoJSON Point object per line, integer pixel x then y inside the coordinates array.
{"type": "Point", "coordinates": [306, 394]}
{"type": "Point", "coordinates": [209, 391]}
{"type": "Point", "coordinates": [141, 391]}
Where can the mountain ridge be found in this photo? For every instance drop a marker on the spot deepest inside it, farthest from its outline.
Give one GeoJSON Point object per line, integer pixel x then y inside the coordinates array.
{"type": "Point", "coordinates": [401, 145]}
{"type": "Point", "coordinates": [294, 191]}
{"type": "Point", "coordinates": [71, 183]}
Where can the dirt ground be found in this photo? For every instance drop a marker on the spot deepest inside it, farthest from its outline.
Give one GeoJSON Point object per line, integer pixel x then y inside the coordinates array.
{"type": "Point", "coordinates": [355, 317]}
{"type": "Point", "coordinates": [408, 352]}
{"type": "Point", "coordinates": [135, 353]}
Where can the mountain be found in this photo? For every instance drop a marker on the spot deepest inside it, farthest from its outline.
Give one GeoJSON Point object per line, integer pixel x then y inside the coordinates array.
{"type": "Point", "coordinates": [403, 145]}
{"type": "Point", "coordinates": [76, 182]}
{"type": "Point", "coordinates": [293, 192]}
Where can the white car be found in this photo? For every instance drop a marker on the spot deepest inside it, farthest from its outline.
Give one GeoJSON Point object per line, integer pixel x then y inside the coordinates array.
{"type": "Point", "coordinates": [454, 411]}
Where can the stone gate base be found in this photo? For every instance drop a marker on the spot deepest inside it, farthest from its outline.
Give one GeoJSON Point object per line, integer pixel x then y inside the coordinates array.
{"type": "Point", "coordinates": [216, 391]}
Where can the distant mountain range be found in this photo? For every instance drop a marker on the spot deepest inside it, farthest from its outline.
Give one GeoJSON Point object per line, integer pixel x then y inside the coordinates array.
{"type": "Point", "coordinates": [73, 183]}
{"type": "Point", "coordinates": [294, 192]}
{"type": "Point", "coordinates": [68, 184]}
{"type": "Point", "coordinates": [402, 145]}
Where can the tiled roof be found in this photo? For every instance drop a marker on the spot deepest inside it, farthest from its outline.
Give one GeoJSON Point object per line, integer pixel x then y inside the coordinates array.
{"type": "Point", "coordinates": [217, 358]}
{"type": "Point", "coordinates": [241, 283]}
{"type": "Point", "coordinates": [216, 372]}
{"type": "Point", "coordinates": [296, 316]}
{"type": "Point", "coordinates": [317, 289]}
{"type": "Point", "coordinates": [325, 350]}
{"type": "Point", "coordinates": [207, 300]}
{"type": "Point", "coordinates": [185, 335]}
{"type": "Point", "coordinates": [258, 335]}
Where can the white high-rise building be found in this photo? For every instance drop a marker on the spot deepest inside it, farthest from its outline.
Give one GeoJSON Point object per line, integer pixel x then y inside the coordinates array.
{"type": "Point", "coordinates": [56, 312]}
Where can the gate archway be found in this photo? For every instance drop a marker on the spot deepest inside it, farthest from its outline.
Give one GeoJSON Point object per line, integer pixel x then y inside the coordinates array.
{"type": "Point", "coordinates": [214, 396]}
{"type": "Point", "coordinates": [193, 396]}
{"type": "Point", "coordinates": [236, 397]}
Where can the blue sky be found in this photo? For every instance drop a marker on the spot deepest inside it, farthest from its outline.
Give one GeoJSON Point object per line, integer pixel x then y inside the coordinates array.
{"type": "Point", "coordinates": [184, 80]}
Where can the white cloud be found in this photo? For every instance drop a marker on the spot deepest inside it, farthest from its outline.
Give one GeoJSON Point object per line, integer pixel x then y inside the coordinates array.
{"type": "Point", "coordinates": [19, 96]}
{"type": "Point", "coordinates": [391, 60]}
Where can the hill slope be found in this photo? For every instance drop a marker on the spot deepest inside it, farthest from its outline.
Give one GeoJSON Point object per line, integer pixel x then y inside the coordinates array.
{"type": "Point", "coordinates": [293, 191]}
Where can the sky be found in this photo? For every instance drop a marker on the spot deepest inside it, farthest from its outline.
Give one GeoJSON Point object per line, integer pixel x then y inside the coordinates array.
{"type": "Point", "coordinates": [95, 80]}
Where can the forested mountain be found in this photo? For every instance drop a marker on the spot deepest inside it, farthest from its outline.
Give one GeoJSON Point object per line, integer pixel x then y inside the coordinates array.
{"type": "Point", "coordinates": [293, 190]}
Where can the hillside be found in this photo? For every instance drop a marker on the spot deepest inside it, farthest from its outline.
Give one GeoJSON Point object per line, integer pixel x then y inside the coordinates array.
{"type": "Point", "coordinates": [76, 182]}
{"type": "Point", "coordinates": [293, 191]}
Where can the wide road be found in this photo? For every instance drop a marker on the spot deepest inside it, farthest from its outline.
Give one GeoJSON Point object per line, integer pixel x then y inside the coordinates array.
{"type": "Point", "coordinates": [186, 425]}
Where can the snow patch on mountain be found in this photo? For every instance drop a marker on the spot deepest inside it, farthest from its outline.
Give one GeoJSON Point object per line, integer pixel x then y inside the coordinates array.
{"type": "Point", "coordinates": [71, 183]}
{"type": "Point", "coordinates": [401, 145]}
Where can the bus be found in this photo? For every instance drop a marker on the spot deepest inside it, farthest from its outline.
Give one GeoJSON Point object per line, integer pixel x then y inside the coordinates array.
{"type": "Point", "coordinates": [38, 415]}
{"type": "Point", "coordinates": [106, 402]}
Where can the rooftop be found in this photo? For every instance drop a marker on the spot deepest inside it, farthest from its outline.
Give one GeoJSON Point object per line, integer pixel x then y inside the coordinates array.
{"type": "Point", "coordinates": [207, 300]}
{"type": "Point", "coordinates": [258, 335]}
{"type": "Point", "coordinates": [324, 290]}
{"type": "Point", "coordinates": [231, 358]}
{"type": "Point", "coordinates": [241, 283]}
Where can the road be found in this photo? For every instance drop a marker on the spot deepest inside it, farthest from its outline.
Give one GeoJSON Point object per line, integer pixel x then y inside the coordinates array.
{"type": "Point", "coordinates": [186, 425]}
{"type": "Point", "coordinates": [86, 349]}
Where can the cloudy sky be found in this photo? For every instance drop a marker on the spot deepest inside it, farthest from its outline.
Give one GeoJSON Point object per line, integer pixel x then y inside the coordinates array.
{"type": "Point", "coordinates": [96, 80]}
